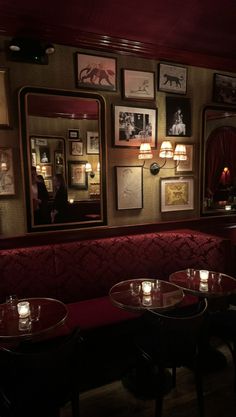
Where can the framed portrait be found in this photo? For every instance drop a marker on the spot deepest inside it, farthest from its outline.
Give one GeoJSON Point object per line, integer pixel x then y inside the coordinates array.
{"type": "Point", "coordinates": [76, 147]}
{"type": "Point", "coordinates": [224, 89]}
{"type": "Point", "coordinates": [78, 177]}
{"type": "Point", "coordinates": [138, 85]}
{"type": "Point", "coordinates": [178, 116]}
{"type": "Point", "coordinates": [46, 170]}
{"type": "Point", "coordinates": [133, 125]}
{"type": "Point", "coordinates": [44, 152]}
{"type": "Point", "coordinates": [4, 98]}
{"type": "Point", "coordinates": [177, 193]}
{"type": "Point", "coordinates": [92, 143]}
{"type": "Point", "coordinates": [186, 166]}
{"type": "Point", "coordinates": [172, 78]}
{"type": "Point", "coordinates": [7, 180]}
{"type": "Point", "coordinates": [49, 185]}
{"type": "Point", "coordinates": [73, 133]}
{"type": "Point", "coordinates": [129, 184]}
{"type": "Point", "coordinates": [95, 71]}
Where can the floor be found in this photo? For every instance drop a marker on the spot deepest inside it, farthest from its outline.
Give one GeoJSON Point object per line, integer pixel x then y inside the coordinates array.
{"type": "Point", "coordinates": [113, 400]}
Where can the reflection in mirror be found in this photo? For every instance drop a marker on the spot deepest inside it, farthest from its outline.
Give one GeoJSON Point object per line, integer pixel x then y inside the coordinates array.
{"type": "Point", "coordinates": [218, 162]}
{"type": "Point", "coordinates": [64, 158]}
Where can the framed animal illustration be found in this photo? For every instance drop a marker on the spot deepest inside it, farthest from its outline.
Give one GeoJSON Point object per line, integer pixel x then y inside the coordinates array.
{"type": "Point", "coordinates": [172, 79]}
{"type": "Point", "coordinates": [94, 71]}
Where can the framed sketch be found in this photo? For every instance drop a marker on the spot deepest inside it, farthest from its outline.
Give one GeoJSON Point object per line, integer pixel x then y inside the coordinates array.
{"type": "Point", "coordinates": [76, 148]}
{"type": "Point", "coordinates": [177, 193]}
{"type": "Point", "coordinates": [129, 182]}
{"type": "Point", "coordinates": [133, 125]}
{"type": "Point", "coordinates": [92, 143]}
{"type": "Point", "coordinates": [172, 79]}
{"type": "Point", "coordinates": [46, 170]}
{"type": "Point", "coordinates": [178, 116]}
{"type": "Point", "coordinates": [73, 133]}
{"type": "Point", "coordinates": [138, 85]}
{"type": "Point", "coordinates": [7, 181]}
{"type": "Point", "coordinates": [78, 177]}
{"type": "Point", "coordinates": [224, 89]}
{"type": "Point", "coordinates": [44, 152]}
{"type": "Point", "coordinates": [49, 185]}
{"type": "Point", "coordinates": [97, 72]}
{"type": "Point", "coordinates": [186, 166]}
{"type": "Point", "coordinates": [4, 98]}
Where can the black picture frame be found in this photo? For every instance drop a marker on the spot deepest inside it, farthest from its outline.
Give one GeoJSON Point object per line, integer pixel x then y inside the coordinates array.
{"type": "Point", "coordinates": [44, 152]}
{"type": "Point", "coordinates": [178, 116]}
{"type": "Point", "coordinates": [172, 78]}
{"type": "Point", "coordinates": [224, 89]}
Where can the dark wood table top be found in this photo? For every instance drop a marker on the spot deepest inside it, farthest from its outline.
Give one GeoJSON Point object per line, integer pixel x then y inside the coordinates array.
{"type": "Point", "coordinates": [129, 295]}
{"type": "Point", "coordinates": [52, 314]}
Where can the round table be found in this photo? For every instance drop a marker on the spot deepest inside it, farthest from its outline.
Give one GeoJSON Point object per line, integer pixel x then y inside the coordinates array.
{"type": "Point", "coordinates": [131, 295]}
{"type": "Point", "coordinates": [52, 314]}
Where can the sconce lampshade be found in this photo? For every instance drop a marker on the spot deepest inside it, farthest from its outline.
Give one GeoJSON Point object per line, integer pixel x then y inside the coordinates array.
{"type": "Point", "coordinates": [88, 167]}
{"type": "Point", "coordinates": [166, 150]}
{"type": "Point", "coordinates": [180, 153]}
{"type": "Point", "coordinates": [145, 151]}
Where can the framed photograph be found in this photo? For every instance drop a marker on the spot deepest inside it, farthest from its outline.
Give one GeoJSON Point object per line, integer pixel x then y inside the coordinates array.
{"type": "Point", "coordinates": [44, 152]}
{"type": "Point", "coordinates": [76, 148]}
{"type": "Point", "coordinates": [46, 170]}
{"type": "Point", "coordinates": [59, 157]}
{"type": "Point", "coordinates": [177, 193]}
{"type": "Point", "coordinates": [132, 125]}
{"type": "Point", "coordinates": [73, 133]}
{"type": "Point", "coordinates": [4, 99]}
{"type": "Point", "coordinates": [129, 183]}
{"type": "Point", "coordinates": [224, 89]}
{"type": "Point", "coordinates": [92, 143]}
{"type": "Point", "coordinates": [97, 72]}
{"type": "Point", "coordinates": [172, 79]}
{"type": "Point", "coordinates": [138, 85]}
{"type": "Point", "coordinates": [78, 177]}
{"type": "Point", "coordinates": [186, 166]}
{"type": "Point", "coordinates": [49, 185]}
{"type": "Point", "coordinates": [7, 181]}
{"type": "Point", "coordinates": [178, 116]}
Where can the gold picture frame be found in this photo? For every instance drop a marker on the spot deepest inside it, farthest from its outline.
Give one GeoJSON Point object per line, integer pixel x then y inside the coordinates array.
{"type": "Point", "coordinates": [177, 194]}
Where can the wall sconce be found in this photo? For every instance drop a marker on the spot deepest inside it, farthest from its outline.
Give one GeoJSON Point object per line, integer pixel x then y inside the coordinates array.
{"type": "Point", "coordinates": [89, 170]}
{"type": "Point", "coordinates": [166, 152]}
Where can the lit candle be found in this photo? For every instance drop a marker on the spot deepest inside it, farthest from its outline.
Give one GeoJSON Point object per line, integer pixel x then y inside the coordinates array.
{"type": "Point", "coordinates": [71, 200]}
{"type": "Point", "coordinates": [23, 309]}
{"type": "Point", "coordinates": [146, 287]}
{"type": "Point", "coordinates": [204, 275]}
{"type": "Point", "coordinates": [227, 207]}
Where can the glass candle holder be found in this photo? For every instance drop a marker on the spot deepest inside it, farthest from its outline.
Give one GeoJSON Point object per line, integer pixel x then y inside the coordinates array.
{"type": "Point", "coordinates": [146, 287]}
{"type": "Point", "coordinates": [23, 308]}
{"type": "Point", "coordinates": [204, 275]}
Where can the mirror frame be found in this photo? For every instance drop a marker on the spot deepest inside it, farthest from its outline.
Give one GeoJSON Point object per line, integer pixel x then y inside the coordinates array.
{"type": "Point", "coordinates": [25, 154]}
{"type": "Point", "coordinates": [203, 211]}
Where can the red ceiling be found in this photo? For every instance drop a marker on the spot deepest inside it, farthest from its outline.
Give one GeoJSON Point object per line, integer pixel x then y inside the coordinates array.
{"type": "Point", "coordinates": [195, 32]}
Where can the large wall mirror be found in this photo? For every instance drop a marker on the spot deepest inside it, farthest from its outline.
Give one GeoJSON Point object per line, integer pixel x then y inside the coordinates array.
{"type": "Point", "coordinates": [218, 161]}
{"type": "Point", "coordinates": [63, 148]}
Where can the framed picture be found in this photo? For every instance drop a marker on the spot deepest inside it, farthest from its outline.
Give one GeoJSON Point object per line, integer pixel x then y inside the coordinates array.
{"type": "Point", "coordinates": [178, 116]}
{"type": "Point", "coordinates": [138, 84]}
{"type": "Point", "coordinates": [59, 158]}
{"type": "Point", "coordinates": [7, 181]}
{"type": "Point", "coordinates": [76, 148]}
{"type": "Point", "coordinates": [92, 143]}
{"type": "Point", "coordinates": [73, 133]}
{"type": "Point", "coordinates": [129, 182]}
{"type": "Point", "coordinates": [186, 166]}
{"type": "Point", "coordinates": [46, 170]}
{"type": "Point", "coordinates": [177, 193]}
{"type": "Point", "coordinates": [39, 141]}
{"type": "Point", "coordinates": [78, 177]}
{"type": "Point", "coordinates": [44, 152]}
{"type": "Point", "coordinates": [224, 89]}
{"type": "Point", "coordinates": [49, 185]}
{"type": "Point", "coordinates": [172, 79]}
{"type": "Point", "coordinates": [132, 125]}
{"type": "Point", "coordinates": [97, 72]}
{"type": "Point", "coordinates": [4, 98]}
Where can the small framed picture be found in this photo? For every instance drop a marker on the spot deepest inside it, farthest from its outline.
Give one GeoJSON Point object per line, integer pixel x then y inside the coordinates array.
{"type": "Point", "coordinates": [7, 180]}
{"type": "Point", "coordinates": [96, 72]}
{"type": "Point", "coordinates": [224, 89]}
{"type": "Point", "coordinates": [46, 170]}
{"type": "Point", "coordinates": [177, 194]}
{"type": "Point", "coordinates": [129, 183]}
{"type": "Point", "coordinates": [59, 158]}
{"type": "Point", "coordinates": [76, 148]}
{"type": "Point", "coordinates": [92, 143]}
{"type": "Point", "coordinates": [49, 185]}
{"type": "Point", "coordinates": [73, 133]}
{"type": "Point", "coordinates": [186, 166]}
{"type": "Point", "coordinates": [138, 85]}
{"type": "Point", "coordinates": [44, 152]}
{"type": "Point", "coordinates": [40, 141]}
{"type": "Point", "coordinates": [178, 116]}
{"type": "Point", "coordinates": [172, 79]}
{"type": "Point", "coordinates": [132, 125]}
{"type": "Point", "coordinates": [78, 177]}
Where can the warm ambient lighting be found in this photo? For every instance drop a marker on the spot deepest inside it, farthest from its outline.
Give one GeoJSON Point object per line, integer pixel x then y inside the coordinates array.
{"type": "Point", "coordinates": [166, 152]}
{"type": "Point", "coordinates": [146, 287]}
{"type": "Point", "coordinates": [23, 309]}
{"type": "Point", "coordinates": [89, 169]}
{"type": "Point", "coordinates": [204, 275]}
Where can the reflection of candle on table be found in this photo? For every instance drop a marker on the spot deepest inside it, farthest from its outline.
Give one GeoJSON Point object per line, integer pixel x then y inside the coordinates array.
{"type": "Point", "coordinates": [147, 300]}
{"type": "Point", "coordinates": [23, 309]}
{"type": "Point", "coordinates": [24, 324]}
{"type": "Point", "coordinates": [203, 286]}
{"type": "Point", "coordinates": [203, 275]}
{"type": "Point", "coordinates": [146, 287]}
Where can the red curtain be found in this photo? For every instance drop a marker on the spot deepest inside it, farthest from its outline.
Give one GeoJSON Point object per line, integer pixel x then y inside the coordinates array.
{"type": "Point", "coordinates": [220, 153]}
